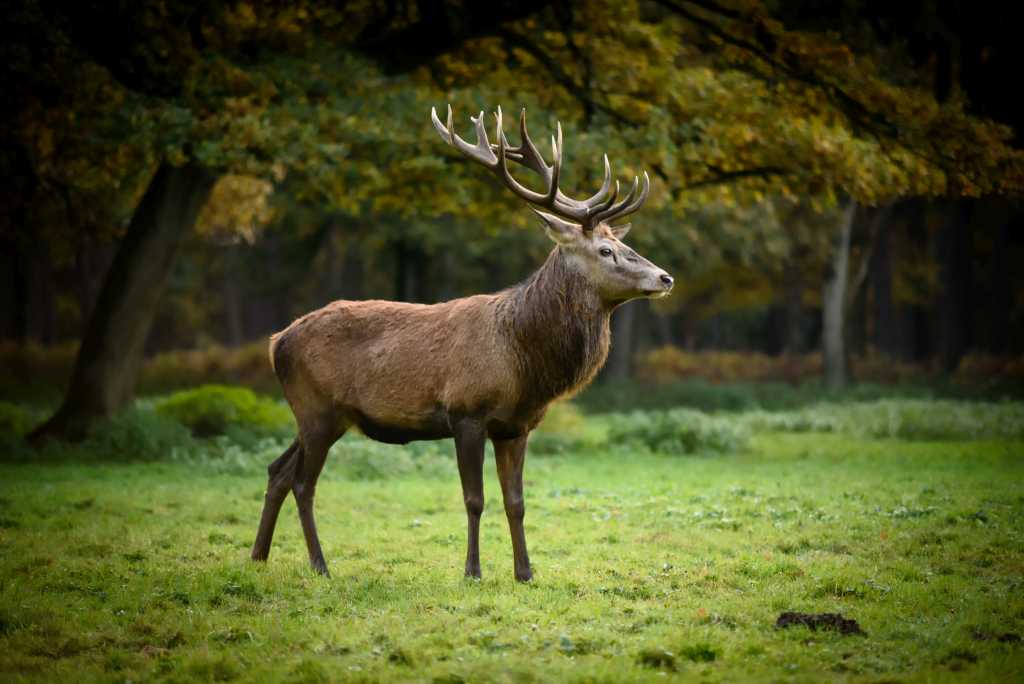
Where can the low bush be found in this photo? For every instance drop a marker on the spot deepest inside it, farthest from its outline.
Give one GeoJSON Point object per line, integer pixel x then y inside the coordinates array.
{"type": "Point", "coordinates": [238, 412]}
{"type": "Point", "coordinates": [16, 419]}
{"type": "Point", "coordinates": [562, 417]}
{"type": "Point", "coordinates": [901, 419]}
{"type": "Point", "coordinates": [620, 396]}
{"type": "Point", "coordinates": [679, 431]}
{"type": "Point", "coordinates": [667, 364]}
{"type": "Point", "coordinates": [672, 363]}
{"type": "Point", "coordinates": [563, 430]}
{"type": "Point", "coordinates": [700, 395]}
{"type": "Point", "coordinates": [137, 434]}
{"type": "Point", "coordinates": [553, 443]}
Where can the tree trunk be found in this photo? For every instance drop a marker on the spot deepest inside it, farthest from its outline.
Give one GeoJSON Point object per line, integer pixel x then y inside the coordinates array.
{"type": "Point", "coordinates": [883, 318]}
{"type": "Point", "coordinates": [40, 304]}
{"type": "Point", "coordinates": [233, 296]}
{"type": "Point", "coordinates": [20, 291]}
{"type": "Point", "coordinates": [857, 324]}
{"type": "Point", "coordinates": [834, 303]}
{"type": "Point", "coordinates": [405, 277]}
{"type": "Point", "coordinates": [1002, 291]}
{"type": "Point", "coordinates": [661, 326]}
{"type": "Point", "coordinates": [856, 293]}
{"type": "Point", "coordinates": [108, 361]}
{"type": "Point", "coordinates": [92, 261]}
{"type": "Point", "coordinates": [914, 338]}
{"type": "Point", "coordinates": [620, 358]}
{"type": "Point", "coordinates": [953, 254]}
{"type": "Point", "coordinates": [793, 309]}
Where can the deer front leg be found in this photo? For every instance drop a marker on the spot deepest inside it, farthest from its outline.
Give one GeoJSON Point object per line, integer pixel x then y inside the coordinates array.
{"type": "Point", "coordinates": [469, 449]}
{"type": "Point", "coordinates": [510, 455]}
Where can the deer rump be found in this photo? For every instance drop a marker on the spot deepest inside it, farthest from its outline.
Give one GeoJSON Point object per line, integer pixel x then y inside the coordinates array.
{"type": "Point", "coordinates": [401, 372]}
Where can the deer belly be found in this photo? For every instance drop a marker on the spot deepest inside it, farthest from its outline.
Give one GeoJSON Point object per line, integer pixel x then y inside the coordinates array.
{"type": "Point", "coordinates": [432, 426]}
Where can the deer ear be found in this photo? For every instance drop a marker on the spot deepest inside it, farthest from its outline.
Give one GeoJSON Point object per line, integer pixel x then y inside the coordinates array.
{"type": "Point", "coordinates": [561, 231]}
{"type": "Point", "coordinates": [620, 231]}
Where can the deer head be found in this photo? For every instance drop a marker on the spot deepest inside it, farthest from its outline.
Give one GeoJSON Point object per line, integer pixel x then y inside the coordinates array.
{"type": "Point", "coordinates": [584, 230]}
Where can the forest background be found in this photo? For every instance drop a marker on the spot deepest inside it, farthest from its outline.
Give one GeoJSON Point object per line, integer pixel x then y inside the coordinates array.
{"type": "Point", "coordinates": [834, 184]}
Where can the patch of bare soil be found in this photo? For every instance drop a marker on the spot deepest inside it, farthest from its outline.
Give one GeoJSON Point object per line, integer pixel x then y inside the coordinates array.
{"type": "Point", "coordinates": [815, 621]}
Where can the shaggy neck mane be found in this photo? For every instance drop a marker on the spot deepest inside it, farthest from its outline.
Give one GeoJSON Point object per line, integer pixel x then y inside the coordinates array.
{"type": "Point", "coordinates": [559, 328]}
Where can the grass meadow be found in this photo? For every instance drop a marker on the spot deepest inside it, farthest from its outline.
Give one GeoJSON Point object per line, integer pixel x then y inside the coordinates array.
{"type": "Point", "coordinates": [661, 551]}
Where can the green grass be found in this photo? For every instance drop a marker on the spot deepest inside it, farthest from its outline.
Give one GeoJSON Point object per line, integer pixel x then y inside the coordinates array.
{"type": "Point", "coordinates": [647, 566]}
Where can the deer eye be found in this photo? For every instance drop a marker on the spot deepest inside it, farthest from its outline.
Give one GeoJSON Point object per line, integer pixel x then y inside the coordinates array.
{"type": "Point", "coordinates": [605, 252]}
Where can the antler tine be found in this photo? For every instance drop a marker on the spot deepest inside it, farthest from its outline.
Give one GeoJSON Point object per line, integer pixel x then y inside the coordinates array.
{"type": "Point", "coordinates": [440, 127]}
{"type": "Point", "coordinates": [615, 209]}
{"type": "Point", "coordinates": [600, 200]}
{"type": "Point", "coordinates": [512, 183]}
{"type": "Point", "coordinates": [602, 206]}
{"type": "Point", "coordinates": [556, 166]}
{"type": "Point", "coordinates": [531, 156]}
{"type": "Point", "coordinates": [629, 204]}
{"type": "Point", "coordinates": [639, 202]}
{"type": "Point", "coordinates": [480, 152]}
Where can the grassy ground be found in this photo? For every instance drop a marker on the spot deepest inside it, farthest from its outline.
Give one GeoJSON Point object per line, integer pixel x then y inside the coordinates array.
{"type": "Point", "coordinates": [647, 566]}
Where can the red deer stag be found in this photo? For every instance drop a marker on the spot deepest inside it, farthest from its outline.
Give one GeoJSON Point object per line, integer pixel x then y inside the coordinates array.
{"type": "Point", "coordinates": [479, 367]}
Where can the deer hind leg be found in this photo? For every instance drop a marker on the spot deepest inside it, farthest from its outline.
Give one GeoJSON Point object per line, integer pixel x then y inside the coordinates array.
{"type": "Point", "coordinates": [469, 448]}
{"type": "Point", "coordinates": [280, 475]}
{"type": "Point", "coordinates": [316, 440]}
{"type": "Point", "coordinates": [509, 457]}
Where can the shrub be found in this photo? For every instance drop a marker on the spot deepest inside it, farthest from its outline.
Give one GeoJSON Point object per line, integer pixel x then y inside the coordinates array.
{"type": "Point", "coordinates": [213, 410]}
{"type": "Point", "coordinates": [15, 419]}
{"type": "Point", "coordinates": [910, 419]}
{"type": "Point", "coordinates": [672, 363]}
{"type": "Point", "coordinates": [562, 417]}
{"type": "Point", "coordinates": [134, 434]}
{"type": "Point", "coordinates": [563, 430]}
{"type": "Point", "coordinates": [626, 395]}
{"type": "Point", "coordinates": [619, 396]}
{"type": "Point", "coordinates": [679, 431]}
{"type": "Point", "coordinates": [669, 363]}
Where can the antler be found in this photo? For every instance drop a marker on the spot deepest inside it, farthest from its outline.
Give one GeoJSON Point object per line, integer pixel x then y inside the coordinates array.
{"type": "Point", "coordinates": [588, 213]}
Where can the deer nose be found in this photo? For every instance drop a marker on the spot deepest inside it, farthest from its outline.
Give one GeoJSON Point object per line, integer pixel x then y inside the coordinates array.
{"type": "Point", "coordinates": [667, 279]}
